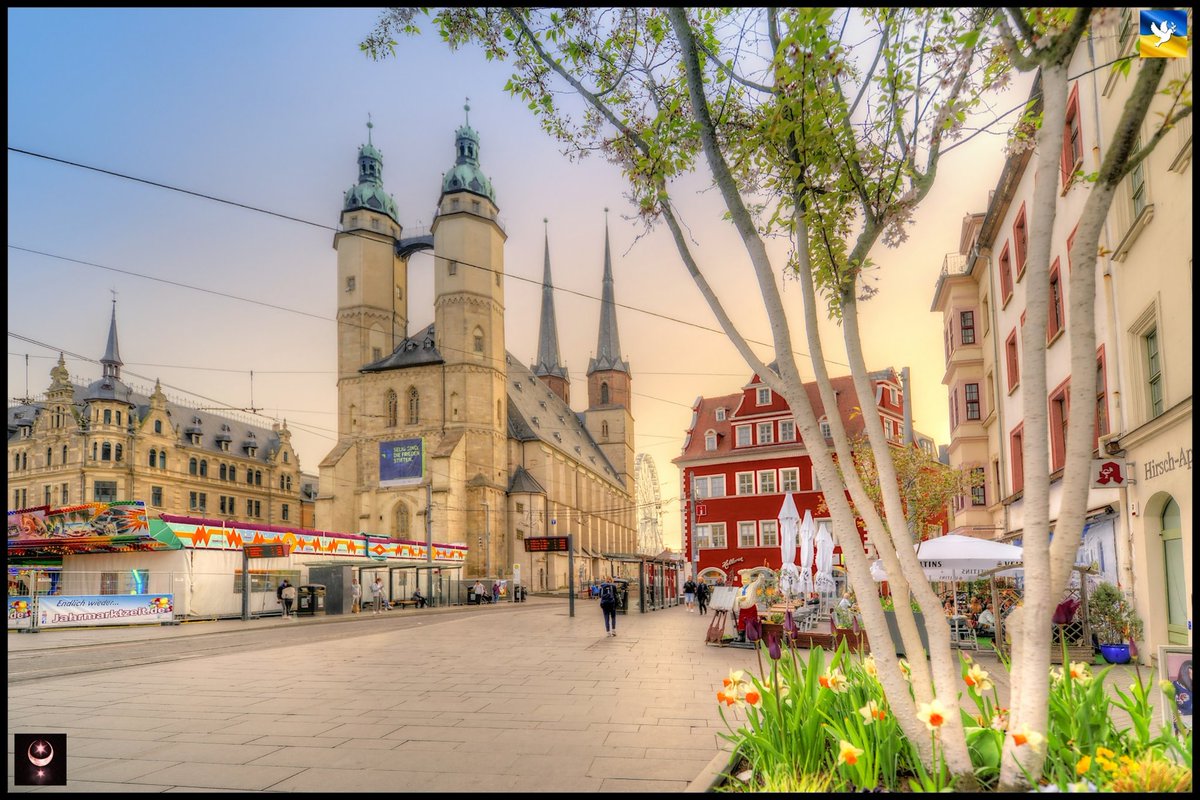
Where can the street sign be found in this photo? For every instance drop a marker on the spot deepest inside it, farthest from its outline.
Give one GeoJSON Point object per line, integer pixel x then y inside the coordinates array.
{"type": "Point", "coordinates": [266, 550]}
{"type": "Point", "coordinates": [546, 544]}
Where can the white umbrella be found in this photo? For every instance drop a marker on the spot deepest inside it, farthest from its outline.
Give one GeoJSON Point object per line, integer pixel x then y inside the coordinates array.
{"type": "Point", "coordinates": [824, 581]}
{"type": "Point", "coordinates": [789, 521]}
{"type": "Point", "coordinates": [808, 530]}
{"type": "Point", "coordinates": [960, 558]}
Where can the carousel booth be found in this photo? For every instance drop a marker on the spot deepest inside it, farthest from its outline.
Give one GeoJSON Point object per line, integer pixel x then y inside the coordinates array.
{"type": "Point", "coordinates": [107, 563]}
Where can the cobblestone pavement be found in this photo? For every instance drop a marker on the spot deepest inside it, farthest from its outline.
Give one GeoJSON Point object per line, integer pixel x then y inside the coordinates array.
{"type": "Point", "coordinates": [505, 698]}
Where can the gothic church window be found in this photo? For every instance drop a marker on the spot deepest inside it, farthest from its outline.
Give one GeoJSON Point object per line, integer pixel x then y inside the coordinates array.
{"type": "Point", "coordinates": [393, 408]}
{"type": "Point", "coordinates": [414, 406]}
{"type": "Point", "coordinates": [478, 340]}
{"type": "Point", "coordinates": [403, 519]}
{"type": "Point", "coordinates": [604, 394]}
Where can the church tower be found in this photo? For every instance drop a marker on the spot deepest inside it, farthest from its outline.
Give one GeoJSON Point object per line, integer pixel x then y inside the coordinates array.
{"type": "Point", "coordinates": [548, 368]}
{"type": "Point", "coordinates": [468, 289]}
{"type": "Point", "coordinates": [372, 280]}
{"type": "Point", "coordinates": [609, 416]}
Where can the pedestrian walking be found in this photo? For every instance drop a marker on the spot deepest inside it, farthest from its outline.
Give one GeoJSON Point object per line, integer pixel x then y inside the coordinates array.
{"type": "Point", "coordinates": [702, 593]}
{"type": "Point", "coordinates": [356, 596]}
{"type": "Point", "coordinates": [287, 596]}
{"type": "Point", "coordinates": [377, 594]}
{"type": "Point", "coordinates": [689, 594]}
{"type": "Point", "coordinates": [608, 605]}
{"type": "Point", "coordinates": [496, 592]}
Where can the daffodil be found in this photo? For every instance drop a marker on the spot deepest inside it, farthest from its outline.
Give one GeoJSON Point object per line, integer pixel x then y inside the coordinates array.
{"type": "Point", "coordinates": [933, 714]}
{"type": "Point", "coordinates": [977, 678]}
{"type": "Point", "coordinates": [869, 667]}
{"type": "Point", "coordinates": [1025, 736]}
{"type": "Point", "coordinates": [871, 712]}
{"type": "Point", "coordinates": [849, 753]}
{"type": "Point", "coordinates": [1080, 672]}
{"type": "Point", "coordinates": [753, 698]}
{"type": "Point", "coordinates": [835, 681]}
{"type": "Point", "coordinates": [727, 697]}
{"type": "Point", "coordinates": [736, 679]}
{"type": "Point", "coordinates": [1056, 675]}
{"type": "Point", "coordinates": [905, 669]}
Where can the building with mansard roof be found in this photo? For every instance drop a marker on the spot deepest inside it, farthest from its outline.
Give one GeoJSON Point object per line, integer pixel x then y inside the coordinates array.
{"type": "Point", "coordinates": [441, 430]}
{"type": "Point", "coordinates": [106, 442]}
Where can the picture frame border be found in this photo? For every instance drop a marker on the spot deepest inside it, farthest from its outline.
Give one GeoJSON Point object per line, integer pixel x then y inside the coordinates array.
{"type": "Point", "coordinates": [1163, 674]}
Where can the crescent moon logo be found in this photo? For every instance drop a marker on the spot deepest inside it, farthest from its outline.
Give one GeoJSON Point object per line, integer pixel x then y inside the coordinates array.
{"type": "Point", "coordinates": [41, 746]}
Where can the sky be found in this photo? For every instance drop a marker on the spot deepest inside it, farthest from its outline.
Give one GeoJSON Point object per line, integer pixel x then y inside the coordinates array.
{"type": "Point", "coordinates": [231, 307]}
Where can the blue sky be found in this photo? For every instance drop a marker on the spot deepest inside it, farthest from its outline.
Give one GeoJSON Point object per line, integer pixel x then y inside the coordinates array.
{"type": "Point", "coordinates": [267, 108]}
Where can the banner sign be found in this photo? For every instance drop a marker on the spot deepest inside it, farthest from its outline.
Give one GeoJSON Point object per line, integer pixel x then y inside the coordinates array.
{"type": "Point", "coordinates": [65, 611]}
{"type": "Point", "coordinates": [20, 613]}
{"type": "Point", "coordinates": [1110, 473]}
{"type": "Point", "coordinates": [401, 462]}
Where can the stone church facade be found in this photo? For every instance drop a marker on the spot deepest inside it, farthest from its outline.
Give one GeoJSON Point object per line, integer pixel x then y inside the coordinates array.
{"type": "Point", "coordinates": [504, 455]}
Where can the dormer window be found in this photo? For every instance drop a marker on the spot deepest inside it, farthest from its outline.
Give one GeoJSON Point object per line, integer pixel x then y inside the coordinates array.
{"type": "Point", "coordinates": [764, 396]}
{"type": "Point", "coordinates": [721, 414]}
{"type": "Point", "coordinates": [710, 441]}
{"type": "Point", "coordinates": [225, 446]}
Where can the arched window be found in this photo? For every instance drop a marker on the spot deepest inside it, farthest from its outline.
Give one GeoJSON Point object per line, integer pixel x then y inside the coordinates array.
{"type": "Point", "coordinates": [106, 452]}
{"type": "Point", "coordinates": [162, 459]}
{"type": "Point", "coordinates": [107, 416]}
{"type": "Point", "coordinates": [93, 452]}
{"type": "Point", "coordinates": [393, 409]}
{"type": "Point", "coordinates": [49, 456]}
{"type": "Point", "coordinates": [403, 519]}
{"type": "Point", "coordinates": [118, 453]}
{"type": "Point", "coordinates": [158, 426]}
{"type": "Point", "coordinates": [204, 468]}
{"type": "Point", "coordinates": [64, 459]}
{"type": "Point", "coordinates": [249, 477]}
{"type": "Point", "coordinates": [603, 430]}
{"type": "Point", "coordinates": [289, 483]}
{"type": "Point", "coordinates": [118, 417]}
{"type": "Point", "coordinates": [281, 482]}
{"type": "Point", "coordinates": [478, 340]}
{"type": "Point", "coordinates": [153, 458]}
{"type": "Point", "coordinates": [257, 477]}
{"type": "Point", "coordinates": [233, 472]}
{"type": "Point", "coordinates": [192, 466]}
{"type": "Point", "coordinates": [224, 472]}
{"type": "Point", "coordinates": [414, 405]}
{"type": "Point", "coordinates": [24, 460]}
{"type": "Point", "coordinates": [604, 394]}
{"type": "Point", "coordinates": [16, 460]}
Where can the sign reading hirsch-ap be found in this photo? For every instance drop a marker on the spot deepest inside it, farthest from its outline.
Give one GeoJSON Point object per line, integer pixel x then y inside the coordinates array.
{"type": "Point", "coordinates": [401, 462]}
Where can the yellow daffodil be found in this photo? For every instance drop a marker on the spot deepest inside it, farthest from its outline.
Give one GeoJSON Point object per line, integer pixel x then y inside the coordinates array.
{"type": "Point", "coordinates": [1084, 765]}
{"type": "Point", "coordinates": [753, 698]}
{"type": "Point", "coordinates": [871, 712]}
{"type": "Point", "coordinates": [1025, 736]}
{"type": "Point", "coordinates": [849, 753]}
{"type": "Point", "coordinates": [933, 714]}
{"type": "Point", "coordinates": [728, 698]}
{"type": "Point", "coordinates": [977, 678]}
{"type": "Point", "coordinates": [870, 668]}
{"type": "Point", "coordinates": [736, 679]}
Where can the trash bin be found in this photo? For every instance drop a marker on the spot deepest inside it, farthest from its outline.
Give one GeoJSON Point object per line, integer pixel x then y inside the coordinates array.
{"type": "Point", "coordinates": [310, 599]}
{"type": "Point", "coordinates": [622, 596]}
{"type": "Point", "coordinates": [471, 598]}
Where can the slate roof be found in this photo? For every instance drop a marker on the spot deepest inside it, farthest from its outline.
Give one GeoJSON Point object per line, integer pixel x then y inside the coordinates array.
{"type": "Point", "coordinates": [415, 351]}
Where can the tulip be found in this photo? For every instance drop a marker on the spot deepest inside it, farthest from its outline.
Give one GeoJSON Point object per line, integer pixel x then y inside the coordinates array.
{"type": "Point", "coordinates": [753, 629]}
{"type": "Point", "coordinates": [789, 622]}
{"type": "Point", "coordinates": [773, 649]}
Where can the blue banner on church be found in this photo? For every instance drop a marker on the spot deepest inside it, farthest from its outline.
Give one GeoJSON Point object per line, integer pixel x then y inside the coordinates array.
{"type": "Point", "coordinates": [401, 462]}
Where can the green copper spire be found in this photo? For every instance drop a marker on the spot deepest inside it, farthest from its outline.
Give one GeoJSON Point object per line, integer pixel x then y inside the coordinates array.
{"type": "Point", "coordinates": [368, 193]}
{"type": "Point", "coordinates": [466, 176]}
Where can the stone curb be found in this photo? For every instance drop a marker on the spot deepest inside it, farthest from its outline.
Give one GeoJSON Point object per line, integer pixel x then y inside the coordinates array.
{"type": "Point", "coordinates": [715, 772]}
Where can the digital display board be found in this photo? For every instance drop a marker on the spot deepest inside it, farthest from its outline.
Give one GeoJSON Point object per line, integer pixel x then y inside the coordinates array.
{"type": "Point", "coordinates": [266, 550]}
{"type": "Point", "coordinates": [546, 544]}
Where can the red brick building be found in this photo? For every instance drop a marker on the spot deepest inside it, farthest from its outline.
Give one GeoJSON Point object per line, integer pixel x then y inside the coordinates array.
{"type": "Point", "coordinates": [744, 452]}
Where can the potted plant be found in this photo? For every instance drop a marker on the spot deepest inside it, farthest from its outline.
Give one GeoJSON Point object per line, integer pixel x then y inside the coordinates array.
{"type": "Point", "coordinates": [889, 614]}
{"type": "Point", "coordinates": [1114, 622]}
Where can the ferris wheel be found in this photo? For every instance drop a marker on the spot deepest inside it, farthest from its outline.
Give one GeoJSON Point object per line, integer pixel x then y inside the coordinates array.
{"type": "Point", "coordinates": [649, 506]}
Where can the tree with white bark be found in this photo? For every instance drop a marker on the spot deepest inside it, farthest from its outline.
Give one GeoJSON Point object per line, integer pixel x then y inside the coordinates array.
{"type": "Point", "coordinates": [805, 141]}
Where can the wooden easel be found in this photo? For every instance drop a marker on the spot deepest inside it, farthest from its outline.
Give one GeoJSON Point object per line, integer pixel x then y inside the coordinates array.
{"type": "Point", "coordinates": [716, 628]}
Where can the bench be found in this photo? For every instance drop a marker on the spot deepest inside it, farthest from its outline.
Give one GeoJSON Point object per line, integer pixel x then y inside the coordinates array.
{"type": "Point", "coordinates": [404, 603]}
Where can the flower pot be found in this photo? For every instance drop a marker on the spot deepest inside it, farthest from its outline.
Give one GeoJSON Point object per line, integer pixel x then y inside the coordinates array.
{"type": "Point", "coordinates": [1115, 653]}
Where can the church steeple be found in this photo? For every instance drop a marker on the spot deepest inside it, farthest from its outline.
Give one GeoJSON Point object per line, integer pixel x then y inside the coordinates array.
{"type": "Point", "coordinates": [548, 367]}
{"type": "Point", "coordinates": [112, 355]}
{"type": "Point", "coordinates": [608, 346]}
{"type": "Point", "coordinates": [368, 192]}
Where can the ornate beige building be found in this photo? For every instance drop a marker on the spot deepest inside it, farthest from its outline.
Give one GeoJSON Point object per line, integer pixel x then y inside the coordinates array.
{"type": "Point", "coordinates": [105, 442]}
{"type": "Point", "coordinates": [502, 455]}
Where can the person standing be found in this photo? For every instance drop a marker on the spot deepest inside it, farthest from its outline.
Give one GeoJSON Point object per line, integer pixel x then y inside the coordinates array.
{"type": "Point", "coordinates": [608, 605]}
{"type": "Point", "coordinates": [287, 595]}
{"type": "Point", "coordinates": [356, 596]}
{"type": "Point", "coordinates": [377, 594]}
{"type": "Point", "coordinates": [702, 592]}
{"type": "Point", "coordinates": [496, 592]}
{"type": "Point", "coordinates": [478, 592]}
{"type": "Point", "coordinates": [689, 594]}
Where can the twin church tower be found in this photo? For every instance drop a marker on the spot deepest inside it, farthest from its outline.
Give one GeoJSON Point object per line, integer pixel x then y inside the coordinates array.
{"type": "Point", "coordinates": [504, 456]}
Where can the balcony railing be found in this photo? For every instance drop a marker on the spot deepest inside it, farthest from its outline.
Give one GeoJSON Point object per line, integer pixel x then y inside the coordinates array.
{"type": "Point", "coordinates": [954, 264]}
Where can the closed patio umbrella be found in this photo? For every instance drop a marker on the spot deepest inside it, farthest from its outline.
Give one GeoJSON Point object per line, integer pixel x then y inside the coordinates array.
{"type": "Point", "coordinates": [808, 531]}
{"type": "Point", "coordinates": [824, 580]}
{"type": "Point", "coordinates": [789, 523]}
